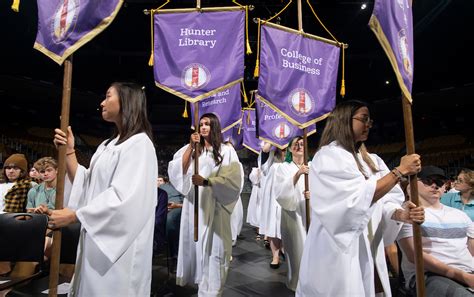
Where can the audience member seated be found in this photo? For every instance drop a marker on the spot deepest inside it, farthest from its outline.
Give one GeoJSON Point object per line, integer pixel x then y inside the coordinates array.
{"type": "Point", "coordinates": [159, 237]}
{"type": "Point", "coordinates": [175, 204]}
{"type": "Point", "coordinates": [448, 244]}
{"type": "Point", "coordinates": [463, 199]}
{"type": "Point", "coordinates": [43, 196]}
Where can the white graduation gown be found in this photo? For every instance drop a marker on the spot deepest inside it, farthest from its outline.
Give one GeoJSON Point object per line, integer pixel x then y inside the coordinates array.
{"type": "Point", "coordinates": [270, 210]}
{"type": "Point", "coordinates": [206, 261]}
{"type": "Point", "coordinates": [115, 202]}
{"type": "Point", "coordinates": [253, 209]}
{"type": "Point", "coordinates": [293, 217]}
{"type": "Point", "coordinates": [338, 258]}
{"type": "Point", "coordinates": [237, 217]}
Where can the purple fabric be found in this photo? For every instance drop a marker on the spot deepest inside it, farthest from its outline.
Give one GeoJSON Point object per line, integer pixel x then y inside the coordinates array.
{"type": "Point", "coordinates": [161, 212]}
{"type": "Point", "coordinates": [249, 129]}
{"type": "Point", "coordinates": [65, 25]}
{"type": "Point", "coordinates": [274, 128]}
{"type": "Point", "coordinates": [297, 75]}
{"type": "Point", "coordinates": [198, 52]}
{"type": "Point", "coordinates": [226, 105]}
{"type": "Point", "coordinates": [234, 137]}
{"type": "Point", "coordinates": [396, 21]}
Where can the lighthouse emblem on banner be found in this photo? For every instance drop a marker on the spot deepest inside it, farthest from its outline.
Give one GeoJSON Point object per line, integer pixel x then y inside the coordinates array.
{"type": "Point", "coordinates": [403, 47]}
{"type": "Point", "coordinates": [64, 20]}
{"type": "Point", "coordinates": [301, 102]}
{"type": "Point", "coordinates": [195, 76]}
{"type": "Point", "coordinates": [282, 130]}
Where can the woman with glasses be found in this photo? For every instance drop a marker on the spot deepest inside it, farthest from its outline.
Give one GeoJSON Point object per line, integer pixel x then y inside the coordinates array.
{"type": "Point", "coordinates": [464, 199]}
{"type": "Point", "coordinates": [290, 194]}
{"type": "Point", "coordinates": [356, 205]}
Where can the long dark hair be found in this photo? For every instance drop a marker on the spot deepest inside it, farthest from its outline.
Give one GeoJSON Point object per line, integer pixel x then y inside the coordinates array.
{"type": "Point", "coordinates": [339, 128]}
{"type": "Point", "coordinates": [133, 112]}
{"type": "Point", "coordinates": [215, 136]}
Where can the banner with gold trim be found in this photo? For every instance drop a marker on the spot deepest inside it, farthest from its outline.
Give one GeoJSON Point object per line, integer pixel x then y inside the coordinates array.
{"type": "Point", "coordinates": [66, 25]}
{"type": "Point", "coordinates": [298, 74]}
{"type": "Point", "coordinates": [275, 128]}
{"type": "Point", "coordinates": [226, 105]}
{"type": "Point", "coordinates": [198, 53]}
{"type": "Point", "coordinates": [392, 24]}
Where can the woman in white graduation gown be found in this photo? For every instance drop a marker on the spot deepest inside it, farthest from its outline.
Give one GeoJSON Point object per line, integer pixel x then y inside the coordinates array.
{"type": "Point", "coordinates": [114, 200]}
{"type": "Point", "coordinates": [253, 209]}
{"type": "Point", "coordinates": [206, 261]}
{"type": "Point", "coordinates": [356, 205]}
{"type": "Point", "coordinates": [290, 195]}
{"type": "Point", "coordinates": [270, 218]}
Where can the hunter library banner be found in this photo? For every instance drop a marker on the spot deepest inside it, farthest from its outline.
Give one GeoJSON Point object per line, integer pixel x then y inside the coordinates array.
{"type": "Point", "coordinates": [198, 53]}
{"type": "Point", "coordinates": [276, 129]}
{"type": "Point", "coordinates": [298, 74]}
{"type": "Point", "coordinates": [65, 25]}
{"type": "Point", "coordinates": [392, 24]}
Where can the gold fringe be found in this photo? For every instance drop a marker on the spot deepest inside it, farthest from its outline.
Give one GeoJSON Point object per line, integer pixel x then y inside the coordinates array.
{"type": "Point", "coordinates": [185, 112]}
{"type": "Point", "coordinates": [343, 81]}
{"type": "Point", "coordinates": [16, 5]}
{"type": "Point", "coordinates": [152, 55]}
{"type": "Point", "coordinates": [249, 50]}
{"type": "Point", "coordinates": [244, 93]}
{"type": "Point", "coordinates": [256, 72]}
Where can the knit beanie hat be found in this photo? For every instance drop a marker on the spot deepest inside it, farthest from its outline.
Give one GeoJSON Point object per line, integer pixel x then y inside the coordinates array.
{"type": "Point", "coordinates": [17, 160]}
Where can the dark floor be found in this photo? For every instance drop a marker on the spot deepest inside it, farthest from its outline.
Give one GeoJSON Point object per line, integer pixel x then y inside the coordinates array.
{"type": "Point", "coordinates": [249, 274]}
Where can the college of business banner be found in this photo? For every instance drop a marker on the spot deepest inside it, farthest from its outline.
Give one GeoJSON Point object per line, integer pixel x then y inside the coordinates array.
{"type": "Point", "coordinates": [226, 105]}
{"type": "Point", "coordinates": [298, 74]}
{"type": "Point", "coordinates": [198, 53]}
{"type": "Point", "coordinates": [232, 135]}
{"type": "Point", "coordinates": [276, 129]}
{"type": "Point", "coordinates": [392, 23]}
{"type": "Point", "coordinates": [249, 130]}
{"type": "Point", "coordinates": [66, 25]}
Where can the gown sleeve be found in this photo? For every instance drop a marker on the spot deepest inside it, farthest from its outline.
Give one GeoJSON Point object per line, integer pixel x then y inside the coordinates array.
{"type": "Point", "coordinates": [115, 217]}
{"type": "Point", "coordinates": [341, 197]}
{"type": "Point", "coordinates": [179, 179]}
{"type": "Point", "coordinates": [287, 194]}
{"type": "Point", "coordinates": [226, 185]}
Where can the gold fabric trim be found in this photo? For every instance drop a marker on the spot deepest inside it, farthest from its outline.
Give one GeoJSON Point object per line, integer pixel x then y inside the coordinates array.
{"type": "Point", "coordinates": [291, 120]}
{"type": "Point", "coordinates": [83, 40]}
{"type": "Point", "coordinates": [205, 9]}
{"type": "Point", "coordinates": [200, 97]}
{"type": "Point", "coordinates": [375, 26]}
{"type": "Point", "coordinates": [307, 35]}
{"type": "Point", "coordinates": [250, 149]}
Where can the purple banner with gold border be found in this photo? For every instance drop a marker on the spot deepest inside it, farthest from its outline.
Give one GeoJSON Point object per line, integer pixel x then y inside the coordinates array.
{"type": "Point", "coordinates": [276, 129]}
{"type": "Point", "coordinates": [234, 135]}
{"type": "Point", "coordinates": [249, 130]}
{"type": "Point", "coordinates": [198, 53]}
{"type": "Point", "coordinates": [226, 105]}
{"type": "Point", "coordinates": [392, 24]}
{"type": "Point", "coordinates": [298, 74]}
{"type": "Point", "coordinates": [66, 25]}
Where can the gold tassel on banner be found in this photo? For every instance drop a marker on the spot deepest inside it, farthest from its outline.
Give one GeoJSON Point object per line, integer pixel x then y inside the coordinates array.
{"type": "Point", "coordinates": [185, 112]}
{"type": "Point", "coordinates": [343, 81]}
{"type": "Point", "coordinates": [249, 50]}
{"type": "Point", "coordinates": [16, 5]}
{"type": "Point", "coordinates": [246, 100]}
{"type": "Point", "coordinates": [256, 72]}
{"type": "Point", "coordinates": [151, 60]}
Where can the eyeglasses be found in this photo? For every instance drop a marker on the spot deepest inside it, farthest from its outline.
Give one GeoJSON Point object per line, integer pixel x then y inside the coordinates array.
{"type": "Point", "coordinates": [366, 120]}
{"type": "Point", "coordinates": [429, 181]}
{"type": "Point", "coordinates": [298, 144]}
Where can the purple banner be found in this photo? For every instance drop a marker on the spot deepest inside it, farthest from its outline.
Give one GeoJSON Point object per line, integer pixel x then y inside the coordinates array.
{"type": "Point", "coordinates": [226, 105]}
{"type": "Point", "coordinates": [249, 129]}
{"type": "Point", "coordinates": [274, 128]}
{"type": "Point", "coordinates": [234, 136]}
{"type": "Point", "coordinates": [66, 25]}
{"type": "Point", "coordinates": [392, 23]}
{"type": "Point", "coordinates": [297, 75]}
{"type": "Point", "coordinates": [197, 54]}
